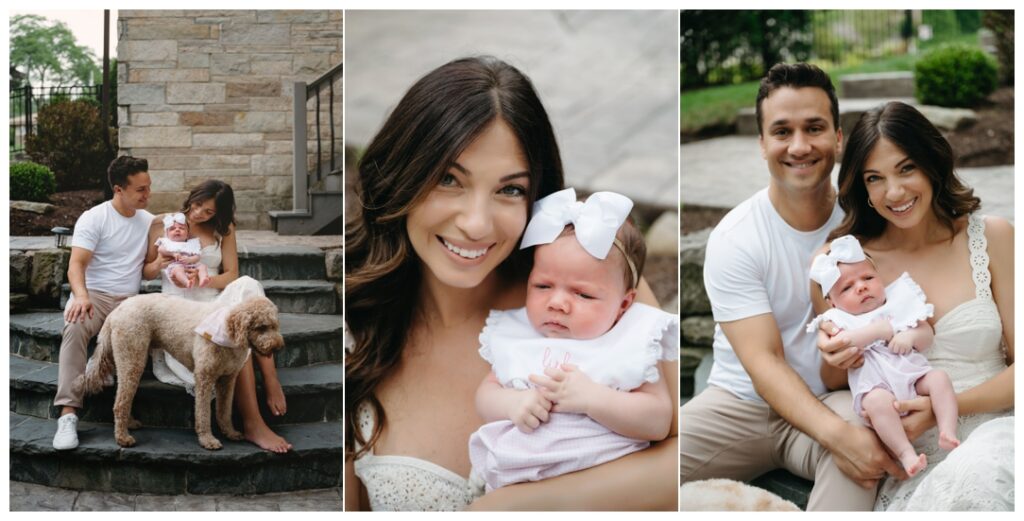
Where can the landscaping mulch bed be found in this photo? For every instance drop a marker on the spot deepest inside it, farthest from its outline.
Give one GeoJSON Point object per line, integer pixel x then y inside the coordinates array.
{"type": "Point", "coordinates": [989, 141]}
{"type": "Point", "coordinates": [70, 205]}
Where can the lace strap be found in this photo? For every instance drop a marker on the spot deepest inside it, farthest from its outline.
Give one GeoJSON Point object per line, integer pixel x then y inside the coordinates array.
{"type": "Point", "coordinates": [365, 419]}
{"type": "Point", "coordinates": [978, 245]}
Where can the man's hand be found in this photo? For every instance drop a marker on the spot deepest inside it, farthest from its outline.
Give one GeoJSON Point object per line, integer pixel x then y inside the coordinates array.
{"type": "Point", "coordinates": [568, 388]}
{"type": "Point", "coordinates": [920, 417]}
{"type": "Point", "coordinates": [530, 411]}
{"type": "Point", "coordinates": [858, 453]}
{"type": "Point", "coordinates": [78, 310]}
{"type": "Point", "coordinates": [836, 349]}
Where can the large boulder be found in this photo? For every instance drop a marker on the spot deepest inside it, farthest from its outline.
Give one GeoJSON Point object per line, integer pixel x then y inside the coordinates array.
{"type": "Point", "coordinates": [49, 271]}
{"type": "Point", "coordinates": [21, 270]}
{"type": "Point", "coordinates": [693, 298]}
{"type": "Point", "coordinates": [698, 330]}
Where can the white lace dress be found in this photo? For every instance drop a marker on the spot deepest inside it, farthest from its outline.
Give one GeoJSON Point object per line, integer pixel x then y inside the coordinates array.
{"type": "Point", "coordinates": [978, 475]}
{"type": "Point", "coordinates": [404, 483]}
{"type": "Point", "coordinates": [165, 367]}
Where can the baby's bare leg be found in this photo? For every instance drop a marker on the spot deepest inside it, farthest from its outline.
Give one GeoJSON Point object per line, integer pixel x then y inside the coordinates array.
{"type": "Point", "coordinates": [885, 419]}
{"type": "Point", "coordinates": [178, 275]}
{"type": "Point", "coordinates": [204, 274]}
{"type": "Point", "coordinates": [939, 388]}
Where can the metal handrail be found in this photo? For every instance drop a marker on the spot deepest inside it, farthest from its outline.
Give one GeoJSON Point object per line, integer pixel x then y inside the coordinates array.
{"type": "Point", "coordinates": [302, 177]}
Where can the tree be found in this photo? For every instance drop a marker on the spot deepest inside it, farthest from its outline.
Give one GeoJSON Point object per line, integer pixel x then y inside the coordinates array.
{"type": "Point", "coordinates": [49, 54]}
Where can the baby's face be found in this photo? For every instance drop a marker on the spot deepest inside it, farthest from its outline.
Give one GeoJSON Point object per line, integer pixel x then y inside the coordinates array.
{"type": "Point", "coordinates": [177, 232]}
{"type": "Point", "coordinates": [573, 295]}
{"type": "Point", "coordinates": [859, 289]}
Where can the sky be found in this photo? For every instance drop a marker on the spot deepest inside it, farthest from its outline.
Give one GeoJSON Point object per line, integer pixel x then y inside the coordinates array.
{"type": "Point", "coordinates": [87, 26]}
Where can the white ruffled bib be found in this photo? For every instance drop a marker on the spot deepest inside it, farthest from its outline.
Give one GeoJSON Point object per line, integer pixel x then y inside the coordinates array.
{"type": "Point", "coordinates": [189, 247]}
{"type": "Point", "coordinates": [623, 358]}
{"type": "Point", "coordinates": [905, 306]}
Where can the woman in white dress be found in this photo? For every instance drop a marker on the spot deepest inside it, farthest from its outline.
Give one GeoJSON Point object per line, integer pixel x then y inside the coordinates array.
{"type": "Point", "coordinates": [445, 190]}
{"type": "Point", "coordinates": [911, 213]}
{"type": "Point", "coordinates": [210, 210]}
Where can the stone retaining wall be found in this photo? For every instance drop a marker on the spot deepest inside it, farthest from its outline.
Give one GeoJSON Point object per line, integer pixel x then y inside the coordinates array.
{"type": "Point", "coordinates": [697, 324]}
{"type": "Point", "coordinates": [207, 94]}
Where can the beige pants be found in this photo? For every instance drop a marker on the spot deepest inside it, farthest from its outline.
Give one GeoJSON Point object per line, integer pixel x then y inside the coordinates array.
{"type": "Point", "coordinates": [74, 347]}
{"type": "Point", "coordinates": [723, 436]}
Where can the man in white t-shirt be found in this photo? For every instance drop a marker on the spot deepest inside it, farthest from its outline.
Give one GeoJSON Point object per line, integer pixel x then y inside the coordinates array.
{"type": "Point", "coordinates": [107, 253]}
{"type": "Point", "coordinates": [766, 406]}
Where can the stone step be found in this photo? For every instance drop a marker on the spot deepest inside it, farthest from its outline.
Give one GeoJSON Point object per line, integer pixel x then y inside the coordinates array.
{"type": "Point", "coordinates": [313, 394]}
{"type": "Point", "coordinates": [292, 262]}
{"type": "Point", "coordinates": [893, 84]}
{"type": "Point", "coordinates": [170, 461]}
{"type": "Point", "coordinates": [309, 339]}
{"type": "Point", "coordinates": [322, 218]}
{"type": "Point", "coordinates": [290, 296]}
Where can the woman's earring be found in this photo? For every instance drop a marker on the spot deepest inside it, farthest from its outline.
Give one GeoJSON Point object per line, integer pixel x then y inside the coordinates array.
{"type": "Point", "coordinates": [869, 203]}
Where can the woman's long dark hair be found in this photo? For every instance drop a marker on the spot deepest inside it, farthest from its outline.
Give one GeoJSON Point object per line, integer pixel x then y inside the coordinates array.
{"type": "Point", "coordinates": [438, 118]}
{"type": "Point", "coordinates": [223, 200]}
{"type": "Point", "coordinates": [908, 129]}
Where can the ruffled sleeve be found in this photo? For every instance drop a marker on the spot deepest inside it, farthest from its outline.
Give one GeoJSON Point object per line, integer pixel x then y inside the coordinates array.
{"type": "Point", "coordinates": [486, 334]}
{"type": "Point", "coordinates": [661, 342]}
{"type": "Point", "coordinates": [906, 304]}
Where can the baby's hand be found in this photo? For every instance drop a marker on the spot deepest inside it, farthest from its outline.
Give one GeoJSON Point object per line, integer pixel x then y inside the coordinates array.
{"type": "Point", "coordinates": [902, 343]}
{"type": "Point", "coordinates": [568, 388]}
{"type": "Point", "coordinates": [530, 411]}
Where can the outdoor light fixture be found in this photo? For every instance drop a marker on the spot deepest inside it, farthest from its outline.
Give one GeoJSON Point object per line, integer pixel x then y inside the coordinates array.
{"type": "Point", "coordinates": [60, 236]}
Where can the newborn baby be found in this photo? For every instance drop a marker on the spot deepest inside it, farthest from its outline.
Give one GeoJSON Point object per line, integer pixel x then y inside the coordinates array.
{"type": "Point", "coordinates": [175, 243]}
{"type": "Point", "coordinates": [891, 323]}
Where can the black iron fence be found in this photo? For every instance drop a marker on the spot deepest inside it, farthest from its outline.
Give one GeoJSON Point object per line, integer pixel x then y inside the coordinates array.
{"type": "Point", "coordinates": [25, 103]}
{"type": "Point", "coordinates": [724, 47]}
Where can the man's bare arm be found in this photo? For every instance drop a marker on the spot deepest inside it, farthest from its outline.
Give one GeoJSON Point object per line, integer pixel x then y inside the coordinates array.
{"type": "Point", "coordinates": [856, 450]}
{"type": "Point", "coordinates": [81, 306]}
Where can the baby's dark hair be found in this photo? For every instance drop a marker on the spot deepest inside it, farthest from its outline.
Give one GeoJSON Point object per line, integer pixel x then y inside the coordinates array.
{"type": "Point", "coordinates": [633, 247]}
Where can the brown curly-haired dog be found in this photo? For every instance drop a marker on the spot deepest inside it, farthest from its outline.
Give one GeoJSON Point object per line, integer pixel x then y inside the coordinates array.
{"type": "Point", "coordinates": [162, 321]}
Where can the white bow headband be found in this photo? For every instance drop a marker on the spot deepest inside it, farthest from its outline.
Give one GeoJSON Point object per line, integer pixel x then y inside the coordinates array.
{"type": "Point", "coordinates": [825, 268]}
{"type": "Point", "coordinates": [596, 222]}
{"type": "Point", "coordinates": [172, 218]}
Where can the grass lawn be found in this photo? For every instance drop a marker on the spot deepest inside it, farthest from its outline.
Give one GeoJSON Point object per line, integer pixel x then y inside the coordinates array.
{"type": "Point", "coordinates": [717, 106]}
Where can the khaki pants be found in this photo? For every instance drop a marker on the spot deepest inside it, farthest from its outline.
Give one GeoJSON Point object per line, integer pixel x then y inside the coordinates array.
{"type": "Point", "coordinates": [74, 346]}
{"type": "Point", "coordinates": [723, 436]}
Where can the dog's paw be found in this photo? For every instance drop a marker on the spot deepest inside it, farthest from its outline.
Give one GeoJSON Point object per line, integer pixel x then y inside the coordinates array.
{"type": "Point", "coordinates": [209, 442]}
{"type": "Point", "coordinates": [234, 435]}
{"type": "Point", "coordinates": [133, 424]}
{"type": "Point", "coordinates": [125, 441]}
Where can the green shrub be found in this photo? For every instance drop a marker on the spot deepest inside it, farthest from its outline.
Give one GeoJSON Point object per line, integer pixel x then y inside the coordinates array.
{"type": "Point", "coordinates": [955, 75]}
{"type": "Point", "coordinates": [31, 182]}
{"type": "Point", "coordinates": [68, 138]}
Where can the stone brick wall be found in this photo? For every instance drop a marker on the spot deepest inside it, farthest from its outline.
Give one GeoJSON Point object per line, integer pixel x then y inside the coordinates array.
{"type": "Point", "coordinates": [208, 95]}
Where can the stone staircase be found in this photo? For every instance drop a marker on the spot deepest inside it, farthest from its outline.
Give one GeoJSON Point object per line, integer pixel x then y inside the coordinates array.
{"type": "Point", "coordinates": [167, 458]}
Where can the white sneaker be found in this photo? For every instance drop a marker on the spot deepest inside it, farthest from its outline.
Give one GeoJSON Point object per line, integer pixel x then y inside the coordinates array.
{"type": "Point", "coordinates": [67, 432]}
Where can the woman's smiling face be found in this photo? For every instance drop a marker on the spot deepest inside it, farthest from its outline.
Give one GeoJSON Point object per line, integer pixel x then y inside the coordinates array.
{"type": "Point", "coordinates": [202, 212]}
{"type": "Point", "coordinates": [897, 188]}
{"type": "Point", "coordinates": [472, 220]}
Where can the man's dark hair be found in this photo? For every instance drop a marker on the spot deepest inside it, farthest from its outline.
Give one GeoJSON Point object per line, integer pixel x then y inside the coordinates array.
{"type": "Point", "coordinates": [796, 75]}
{"type": "Point", "coordinates": [124, 166]}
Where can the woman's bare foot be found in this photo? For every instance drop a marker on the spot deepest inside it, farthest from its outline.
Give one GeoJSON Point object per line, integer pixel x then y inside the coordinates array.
{"type": "Point", "coordinates": [948, 442]}
{"type": "Point", "coordinates": [275, 396]}
{"type": "Point", "coordinates": [913, 463]}
{"type": "Point", "coordinates": [266, 439]}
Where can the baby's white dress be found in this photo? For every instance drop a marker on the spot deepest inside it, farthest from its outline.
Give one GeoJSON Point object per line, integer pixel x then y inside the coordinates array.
{"type": "Point", "coordinates": [905, 306]}
{"type": "Point", "coordinates": [624, 358]}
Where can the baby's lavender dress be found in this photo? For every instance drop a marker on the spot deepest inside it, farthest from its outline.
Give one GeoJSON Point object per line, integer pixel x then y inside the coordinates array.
{"type": "Point", "coordinates": [904, 307]}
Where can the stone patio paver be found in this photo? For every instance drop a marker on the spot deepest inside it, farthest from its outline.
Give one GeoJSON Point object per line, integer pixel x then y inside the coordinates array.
{"type": "Point", "coordinates": [607, 78]}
